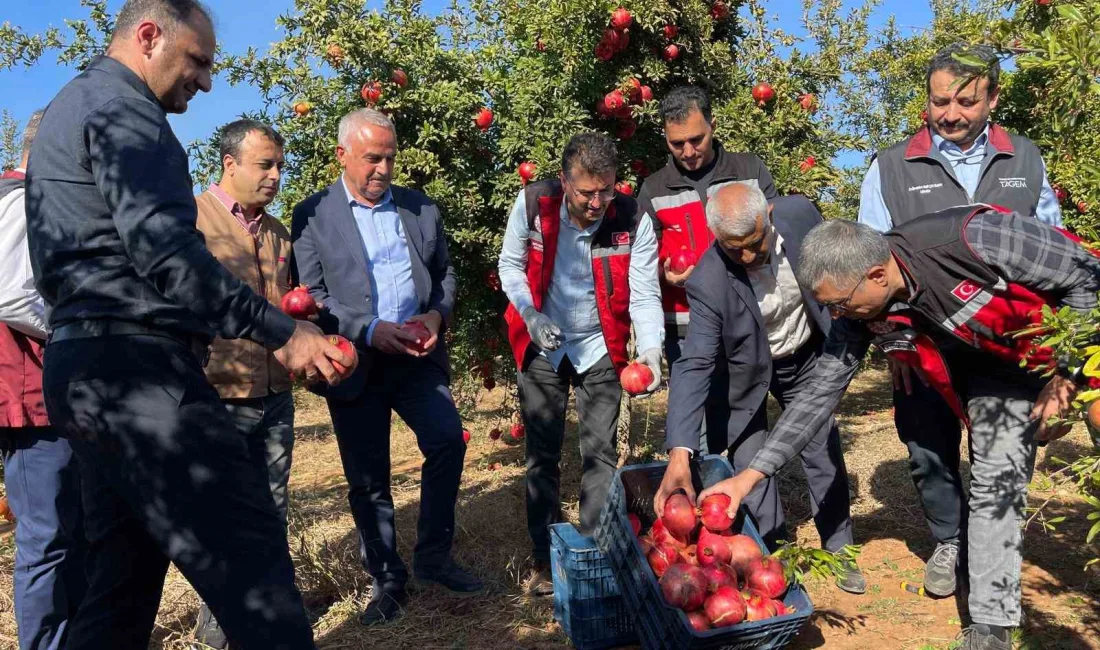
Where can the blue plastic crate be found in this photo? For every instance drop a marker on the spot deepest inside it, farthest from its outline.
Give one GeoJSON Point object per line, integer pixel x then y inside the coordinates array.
{"type": "Point", "coordinates": [660, 626]}
{"type": "Point", "coordinates": [587, 601]}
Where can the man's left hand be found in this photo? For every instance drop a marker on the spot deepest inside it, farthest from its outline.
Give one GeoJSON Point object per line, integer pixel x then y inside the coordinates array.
{"type": "Point", "coordinates": [652, 359]}
{"type": "Point", "coordinates": [736, 488]}
{"type": "Point", "coordinates": [1054, 401]}
{"type": "Point", "coordinates": [433, 320]}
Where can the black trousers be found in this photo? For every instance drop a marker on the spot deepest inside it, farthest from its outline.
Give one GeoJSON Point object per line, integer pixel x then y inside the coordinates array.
{"type": "Point", "coordinates": [822, 460]}
{"type": "Point", "coordinates": [543, 396]}
{"type": "Point", "coordinates": [166, 477]}
{"type": "Point", "coordinates": [417, 389]}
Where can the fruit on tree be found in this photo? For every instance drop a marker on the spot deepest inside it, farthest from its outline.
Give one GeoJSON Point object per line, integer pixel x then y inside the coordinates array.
{"type": "Point", "coordinates": [621, 19]}
{"type": "Point", "coordinates": [1060, 193]}
{"type": "Point", "coordinates": [335, 53]}
{"type": "Point", "coordinates": [647, 94]}
{"type": "Point", "coordinates": [714, 511]}
{"type": "Point", "coordinates": [483, 119]}
{"type": "Point", "coordinates": [684, 587]}
{"type": "Point", "coordinates": [298, 304]}
{"type": "Point", "coordinates": [719, 10]}
{"type": "Point", "coordinates": [671, 52]}
{"type": "Point", "coordinates": [466, 436]}
{"type": "Point", "coordinates": [302, 108]}
{"type": "Point", "coordinates": [807, 164]}
{"type": "Point", "coordinates": [1093, 413]}
{"type": "Point", "coordinates": [492, 280]}
{"type": "Point", "coordinates": [495, 433]}
{"type": "Point", "coordinates": [763, 93]}
{"type": "Point", "coordinates": [670, 31]}
{"type": "Point", "coordinates": [526, 171]}
{"type": "Point", "coordinates": [626, 129]}
{"type": "Point", "coordinates": [614, 100]}
{"type": "Point", "coordinates": [489, 383]}
{"type": "Point", "coordinates": [1082, 207]}
{"type": "Point", "coordinates": [808, 102]}
{"type": "Point", "coordinates": [518, 431]}
{"type": "Point", "coordinates": [679, 515]}
{"type": "Point", "coordinates": [624, 187]}
{"type": "Point", "coordinates": [636, 378]}
{"type": "Point", "coordinates": [399, 77]}
{"type": "Point", "coordinates": [371, 92]}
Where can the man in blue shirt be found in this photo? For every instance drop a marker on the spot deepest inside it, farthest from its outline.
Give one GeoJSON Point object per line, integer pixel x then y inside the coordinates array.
{"type": "Point", "coordinates": [375, 255]}
{"type": "Point", "coordinates": [959, 158]}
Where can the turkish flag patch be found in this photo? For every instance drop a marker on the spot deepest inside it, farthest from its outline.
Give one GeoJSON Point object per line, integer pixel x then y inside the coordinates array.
{"type": "Point", "coordinates": [620, 239]}
{"type": "Point", "coordinates": [966, 290]}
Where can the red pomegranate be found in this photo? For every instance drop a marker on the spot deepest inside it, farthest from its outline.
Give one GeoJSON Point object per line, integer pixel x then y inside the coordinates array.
{"type": "Point", "coordinates": [614, 100]}
{"type": "Point", "coordinates": [766, 576]}
{"type": "Point", "coordinates": [719, 10]}
{"type": "Point", "coordinates": [646, 542]}
{"type": "Point", "coordinates": [495, 433]}
{"type": "Point", "coordinates": [297, 303]}
{"type": "Point", "coordinates": [540, 45]}
{"type": "Point", "coordinates": [624, 187]}
{"type": "Point", "coordinates": [682, 260]}
{"type": "Point", "coordinates": [661, 534]}
{"type": "Point", "coordinates": [670, 31]}
{"type": "Point", "coordinates": [526, 171]}
{"type": "Point", "coordinates": [1060, 193]}
{"type": "Point", "coordinates": [679, 516]}
{"type": "Point", "coordinates": [626, 129]}
{"type": "Point", "coordinates": [483, 119]}
{"type": "Point", "coordinates": [613, 38]}
{"type": "Point", "coordinates": [420, 331]}
{"type": "Point", "coordinates": [698, 621]}
{"type": "Point", "coordinates": [1082, 207]}
{"type": "Point", "coordinates": [661, 558]}
{"type": "Point", "coordinates": [647, 93]}
{"type": "Point", "coordinates": [636, 378]}
{"type": "Point", "coordinates": [635, 523]}
{"type": "Point", "coordinates": [808, 102]}
{"type": "Point", "coordinates": [743, 550]}
{"type": "Point", "coordinates": [720, 575]}
{"type": "Point", "coordinates": [724, 607]}
{"type": "Point", "coordinates": [371, 92]}
{"type": "Point", "coordinates": [518, 431]}
{"type": "Point", "coordinates": [621, 19]}
{"type": "Point", "coordinates": [348, 349]}
{"type": "Point", "coordinates": [714, 511]}
{"type": "Point", "coordinates": [763, 93]}
{"type": "Point", "coordinates": [399, 77]}
{"type": "Point", "coordinates": [466, 436]}
{"type": "Point", "coordinates": [712, 548]}
{"type": "Point", "coordinates": [807, 164]}
{"type": "Point", "coordinates": [689, 555]}
{"type": "Point", "coordinates": [684, 587]}
{"type": "Point", "coordinates": [757, 606]}
{"type": "Point", "coordinates": [780, 608]}
{"type": "Point", "coordinates": [492, 280]}
{"type": "Point", "coordinates": [671, 52]}
{"type": "Point", "coordinates": [604, 51]}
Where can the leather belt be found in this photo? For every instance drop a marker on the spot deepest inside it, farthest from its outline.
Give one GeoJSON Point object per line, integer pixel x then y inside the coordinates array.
{"type": "Point", "coordinates": [97, 328]}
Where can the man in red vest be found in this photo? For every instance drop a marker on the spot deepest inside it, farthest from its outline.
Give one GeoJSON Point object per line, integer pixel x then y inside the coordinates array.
{"type": "Point", "coordinates": [579, 266]}
{"type": "Point", "coordinates": [40, 471]}
{"type": "Point", "coordinates": [945, 293]}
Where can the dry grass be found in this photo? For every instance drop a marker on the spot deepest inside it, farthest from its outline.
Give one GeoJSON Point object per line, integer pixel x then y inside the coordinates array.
{"type": "Point", "coordinates": [1063, 606]}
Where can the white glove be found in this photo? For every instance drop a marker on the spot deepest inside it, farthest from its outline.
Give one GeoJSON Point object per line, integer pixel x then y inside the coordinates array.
{"type": "Point", "coordinates": [652, 359]}
{"type": "Point", "coordinates": [544, 333]}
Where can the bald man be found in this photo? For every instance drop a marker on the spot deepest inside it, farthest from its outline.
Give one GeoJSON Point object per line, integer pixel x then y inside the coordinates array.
{"type": "Point", "coordinates": [746, 306]}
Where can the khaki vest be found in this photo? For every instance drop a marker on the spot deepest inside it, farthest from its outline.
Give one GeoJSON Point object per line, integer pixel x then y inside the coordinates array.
{"type": "Point", "coordinates": [240, 368]}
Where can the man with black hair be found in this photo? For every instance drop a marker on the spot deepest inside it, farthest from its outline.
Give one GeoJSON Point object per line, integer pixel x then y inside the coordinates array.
{"type": "Point", "coordinates": [960, 157]}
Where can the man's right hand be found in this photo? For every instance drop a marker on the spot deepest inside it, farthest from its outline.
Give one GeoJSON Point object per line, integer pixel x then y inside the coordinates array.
{"type": "Point", "coordinates": [391, 339]}
{"type": "Point", "coordinates": [310, 354]}
{"type": "Point", "coordinates": [677, 477]}
{"type": "Point", "coordinates": [903, 375]}
{"type": "Point", "coordinates": [544, 332]}
{"type": "Point", "coordinates": [676, 279]}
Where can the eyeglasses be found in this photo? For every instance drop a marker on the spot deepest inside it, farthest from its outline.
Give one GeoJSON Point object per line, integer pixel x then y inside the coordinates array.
{"type": "Point", "coordinates": [587, 196]}
{"type": "Point", "coordinates": [841, 306]}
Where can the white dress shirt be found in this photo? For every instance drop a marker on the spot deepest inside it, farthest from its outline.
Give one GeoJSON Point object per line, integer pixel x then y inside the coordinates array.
{"type": "Point", "coordinates": [21, 308]}
{"type": "Point", "coordinates": [781, 304]}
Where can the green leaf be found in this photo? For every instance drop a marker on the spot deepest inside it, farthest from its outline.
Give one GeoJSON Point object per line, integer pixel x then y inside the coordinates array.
{"type": "Point", "coordinates": [1070, 13]}
{"type": "Point", "coordinates": [1092, 533]}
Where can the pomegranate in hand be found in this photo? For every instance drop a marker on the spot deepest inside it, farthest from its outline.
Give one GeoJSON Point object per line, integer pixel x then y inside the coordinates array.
{"type": "Point", "coordinates": [298, 304]}
{"type": "Point", "coordinates": [347, 348]}
{"type": "Point", "coordinates": [421, 332]}
{"type": "Point", "coordinates": [679, 516]}
{"type": "Point", "coordinates": [682, 260]}
{"type": "Point", "coordinates": [636, 378]}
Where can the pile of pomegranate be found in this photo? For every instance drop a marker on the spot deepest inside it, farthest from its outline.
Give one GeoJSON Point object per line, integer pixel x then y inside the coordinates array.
{"type": "Point", "coordinates": [717, 577]}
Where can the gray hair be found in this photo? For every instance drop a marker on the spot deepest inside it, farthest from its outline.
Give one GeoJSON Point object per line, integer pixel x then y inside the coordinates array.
{"type": "Point", "coordinates": [841, 251]}
{"type": "Point", "coordinates": [31, 130]}
{"type": "Point", "coordinates": [728, 218]}
{"type": "Point", "coordinates": [358, 118]}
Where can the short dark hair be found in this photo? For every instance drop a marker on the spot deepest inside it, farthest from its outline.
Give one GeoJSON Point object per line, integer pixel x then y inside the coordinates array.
{"type": "Point", "coordinates": [233, 134]}
{"type": "Point", "coordinates": [678, 104]}
{"type": "Point", "coordinates": [591, 151]}
{"type": "Point", "coordinates": [945, 60]}
{"type": "Point", "coordinates": [31, 129]}
{"type": "Point", "coordinates": [166, 13]}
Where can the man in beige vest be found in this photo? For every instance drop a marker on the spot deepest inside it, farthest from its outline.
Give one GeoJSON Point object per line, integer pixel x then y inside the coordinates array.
{"type": "Point", "coordinates": [255, 247]}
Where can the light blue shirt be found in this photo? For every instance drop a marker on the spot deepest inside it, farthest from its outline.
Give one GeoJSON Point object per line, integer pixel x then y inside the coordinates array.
{"type": "Point", "coordinates": [570, 300]}
{"type": "Point", "coordinates": [967, 166]}
{"type": "Point", "coordinates": [389, 266]}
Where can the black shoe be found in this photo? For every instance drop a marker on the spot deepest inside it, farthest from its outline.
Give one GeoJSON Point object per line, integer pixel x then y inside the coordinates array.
{"type": "Point", "coordinates": [985, 637]}
{"type": "Point", "coordinates": [541, 582]}
{"type": "Point", "coordinates": [939, 573]}
{"type": "Point", "coordinates": [453, 578]}
{"type": "Point", "coordinates": [851, 579]}
{"type": "Point", "coordinates": [386, 605]}
{"type": "Point", "coordinates": [208, 632]}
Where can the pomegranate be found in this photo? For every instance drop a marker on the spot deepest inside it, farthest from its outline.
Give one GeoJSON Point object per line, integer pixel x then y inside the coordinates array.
{"type": "Point", "coordinates": [624, 187]}
{"type": "Point", "coordinates": [302, 108]}
{"type": "Point", "coordinates": [684, 587]}
{"type": "Point", "coordinates": [807, 164]}
{"type": "Point", "coordinates": [646, 542]}
{"type": "Point", "coordinates": [297, 303]}
{"type": "Point", "coordinates": [489, 383]}
{"type": "Point", "coordinates": [492, 280]}
{"type": "Point", "coordinates": [626, 129]}
{"type": "Point", "coordinates": [604, 51]}
{"type": "Point", "coordinates": [636, 378]}
{"type": "Point", "coordinates": [614, 100]}
{"type": "Point", "coordinates": [780, 608]}
{"type": "Point", "coordinates": [712, 548]}
{"type": "Point", "coordinates": [671, 52]}
{"type": "Point", "coordinates": [371, 92]}
{"type": "Point", "coordinates": [483, 119]}
{"type": "Point", "coordinates": [808, 102]}
{"type": "Point", "coordinates": [621, 19]}
{"type": "Point", "coordinates": [647, 94]}
{"type": "Point", "coordinates": [495, 434]}
{"type": "Point", "coordinates": [679, 516]}
{"type": "Point", "coordinates": [924, 116]}
{"type": "Point", "coordinates": [348, 349]}
{"type": "Point", "coordinates": [720, 575]}
{"type": "Point", "coordinates": [613, 38]}
{"type": "Point", "coordinates": [661, 558]}
{"type": "Point", "coordinates": [698, 621]}
{"type": "Point", "coordinates": [1093, 413]}
{"type": "Point", "coordinates": [714, 511]}
{"type": "Point", "coordinates": [540, 45]}
{"type": "Point", "coordinates": [682, 260]}
{"type": "Point", "coordinates": [399, 77]}
{"type": "Point", "coordinates": [466, 436]}
{"type": "Point", "coordinates": [421, 332]}
{"type": "Point", "coordinates": [763, 93]}
{"type": "Point", "coordinates": [743, 550]}
{"type": "Point", "coordinates": [1082, 207]}
{"type": "Point", "coordinates": [335, 53]}
{"type": "Point", "coordinates": [5, 510]}
{"type": "Point", "coordinates": [639, 167]}
{"type": "Point", "coordinates": [719, 10]}
{"type": "Point", "coordinates": [1060, 193]}
{"type": "Point", "coordinates": [757, 606]}
{"type": "Point", "coordinates": [661, 534]}
{"type": "Point", "coordinates": [635, 523]}
{"type": "Point", "coordinates": [766, 576]}
{"type": "Point", "coordinates": [670, 31]}
{"type": "Point", "coordinates": [724, 607]}
{"type": "Point", "coordinates": [526, 171]}
{"type": "Point", "coordinates": [690, 555]}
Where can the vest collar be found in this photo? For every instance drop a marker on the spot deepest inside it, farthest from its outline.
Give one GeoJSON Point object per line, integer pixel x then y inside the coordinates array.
{"type": "Point", "coordinates": [922, 144]}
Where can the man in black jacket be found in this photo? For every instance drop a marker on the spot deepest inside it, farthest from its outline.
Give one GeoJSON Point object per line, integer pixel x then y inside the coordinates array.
{"type": "Point", "coordinates": [749, 314]}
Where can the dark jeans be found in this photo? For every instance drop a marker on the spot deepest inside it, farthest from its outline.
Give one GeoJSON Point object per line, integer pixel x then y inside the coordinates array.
{"type": "Point", "coordinates": [166, 477]}
{"type": "Point", "coordinates": [717, 408]}
{"type": "Point", "coordinates": [417, 389]}
{"type": "Point", "coordinates": [932, 433]}
{"type": "Point", "coordinates": [43, 486]}
{"type": "Point", "coordinates": [822, 460]}
{"type": "Point", "coordinates": [543, 396]}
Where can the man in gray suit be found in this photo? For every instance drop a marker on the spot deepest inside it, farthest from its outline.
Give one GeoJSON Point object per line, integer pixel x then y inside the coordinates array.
{"type": "Point", "coordinates": [375, 255]}
{"type": "Point", "coordinates": [746, 305]}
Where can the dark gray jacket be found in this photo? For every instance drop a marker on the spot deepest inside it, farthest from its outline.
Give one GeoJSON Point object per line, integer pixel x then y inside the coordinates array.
{"type": "Point", "coordinates": [329, 258]}
{"type": "Point", "coordinates": [725, 324]}
{"type": "Point", "coordinates": [111, 219]}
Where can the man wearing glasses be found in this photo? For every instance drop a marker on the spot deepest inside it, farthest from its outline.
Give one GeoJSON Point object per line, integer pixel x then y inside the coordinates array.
{"type": "Point", "coordinates": [749, 315]}
{"type": "Point", "coordinates": [579, 267]}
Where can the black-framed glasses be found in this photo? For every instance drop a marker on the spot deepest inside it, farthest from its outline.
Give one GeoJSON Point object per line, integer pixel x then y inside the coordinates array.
{"type": "Point", "coordinates": [587, 196]}
{"type": "Point", "coordinates": [841, 306]}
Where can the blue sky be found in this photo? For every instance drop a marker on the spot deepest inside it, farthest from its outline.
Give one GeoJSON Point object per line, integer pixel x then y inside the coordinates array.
{"type": "Point", "coordinates": [240, 24]}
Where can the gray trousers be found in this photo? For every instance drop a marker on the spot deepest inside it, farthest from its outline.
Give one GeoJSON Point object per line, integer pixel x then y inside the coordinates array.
{"type": "Point", "coordinates": [543, 395]}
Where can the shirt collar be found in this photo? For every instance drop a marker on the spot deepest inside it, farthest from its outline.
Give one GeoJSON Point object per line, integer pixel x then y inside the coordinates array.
{"type": "Point", "coordinates": [118, 69]}
{"type": "Point", "coordinates": [563, 214]}
{"type": "Point", "coordinates": [386, 198]}
{"type": "Point", "coordinates": [948, 146]}
{"type": "Point", "coordinates": [237, 210]}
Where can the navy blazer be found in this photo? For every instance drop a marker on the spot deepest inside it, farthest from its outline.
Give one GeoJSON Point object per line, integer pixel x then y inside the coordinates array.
{"type": "Point", "coordinates": [329, 258]}
{"type": "Point", "coordinates": [725, 323]}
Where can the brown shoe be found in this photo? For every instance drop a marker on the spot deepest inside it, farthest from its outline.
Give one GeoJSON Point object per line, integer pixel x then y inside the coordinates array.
{"type": "Point", "coordinates": [541, 582]}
